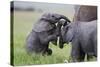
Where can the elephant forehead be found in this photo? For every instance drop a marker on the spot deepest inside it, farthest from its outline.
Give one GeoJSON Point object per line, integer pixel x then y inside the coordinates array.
{"type": "Point", "coordinates": [43, 26]}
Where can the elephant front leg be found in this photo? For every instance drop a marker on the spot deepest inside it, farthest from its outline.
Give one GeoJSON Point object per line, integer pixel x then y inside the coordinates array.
{"type": "Point", "coordinates": [44, 50]}
{"type": "Point", "coordinates": [49, 38]}
{"type": "Point", "coordinates": [77, 53]}
{"type": "Point", "coordinates": [78, 58]}
{"type": "Point", "coordinates": [47, 51]}
{"type": "Point", "coordinates": [75, 56]}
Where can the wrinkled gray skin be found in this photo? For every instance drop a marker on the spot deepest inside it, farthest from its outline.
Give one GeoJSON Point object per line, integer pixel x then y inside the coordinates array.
{"type": "Point", "coordinates": [83, 37]}
{"type": "Point", "coordinates": [42, 33]}
{"type": "Point", "coordinates": [85, 13]}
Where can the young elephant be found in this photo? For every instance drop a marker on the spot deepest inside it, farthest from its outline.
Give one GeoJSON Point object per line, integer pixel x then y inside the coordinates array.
{"type": "Point", "coordinates": [83, 37]}
{"type": "Point", "coordinates": [43, 32]}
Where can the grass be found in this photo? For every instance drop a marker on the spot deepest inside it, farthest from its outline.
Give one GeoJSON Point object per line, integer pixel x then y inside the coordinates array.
{"type": "Point", "coordinates": [23, 23]}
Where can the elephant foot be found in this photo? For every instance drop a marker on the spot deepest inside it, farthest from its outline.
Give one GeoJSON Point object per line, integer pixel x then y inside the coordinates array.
{"type": "Point", "coordinates": [89, 57]}
{"type": "Point", "coordinates": [49, 52]}
{"type": "Point", "coordinates": [77, 59]}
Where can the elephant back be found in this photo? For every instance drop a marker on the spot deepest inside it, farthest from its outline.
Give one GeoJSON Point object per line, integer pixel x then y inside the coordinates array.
{"type": "Point", "coordinates": [85, 13]}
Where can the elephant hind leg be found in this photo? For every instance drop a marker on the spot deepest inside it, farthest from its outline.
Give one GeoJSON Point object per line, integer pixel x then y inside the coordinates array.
{"type": "Point", "coordinates": [82, 56]}
{"type": "Point", "coordinates": [89, 57]}
{"type": "Point", "coordinates": [81, 53]}
{"type": "Point", "coordinates": [78, 55]}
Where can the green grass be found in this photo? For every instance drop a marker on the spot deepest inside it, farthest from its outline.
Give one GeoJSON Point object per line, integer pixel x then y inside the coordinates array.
{"type": "Point", "coordinates": [23, 23]}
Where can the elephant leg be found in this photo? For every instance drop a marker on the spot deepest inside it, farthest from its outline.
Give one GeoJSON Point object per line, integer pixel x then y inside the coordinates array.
{"type": "Point", "coordinates": [29, 50]}
{"type": "Point", "coordinates": [89, 57]}
{"type": "Point", "coordinates": [78, 57]}
{"type": "Point", "coordinates": [47, 51]}
{"type": "Point", "coordinates": [44, 38]}
{"type": "Point", "coordinates": [31, 40]}
{"type": "Point", "coordinates": [75, 53]}
{"type": "Point", "coordinates": [82, 55]}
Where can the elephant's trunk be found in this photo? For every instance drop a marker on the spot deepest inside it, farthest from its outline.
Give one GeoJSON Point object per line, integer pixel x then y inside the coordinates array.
{"type": "Point", "coordinates": [65, 18]}
{"type": "Point", "coordinates": [60, 23]}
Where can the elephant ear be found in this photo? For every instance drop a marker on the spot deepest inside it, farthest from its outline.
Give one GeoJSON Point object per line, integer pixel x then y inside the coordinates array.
{"type": "Point", "coordinates": [43, 26]}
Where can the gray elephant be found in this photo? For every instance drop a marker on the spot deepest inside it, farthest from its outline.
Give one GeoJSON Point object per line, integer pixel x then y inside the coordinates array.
{"type": "Point", "coordinates": [83, 37]}
{"type": "Point", "coordinates": [85, 13]}
{"type": "Point", "coordinates": [44, 31]}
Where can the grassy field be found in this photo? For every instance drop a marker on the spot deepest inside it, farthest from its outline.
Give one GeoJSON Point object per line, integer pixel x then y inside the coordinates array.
{"type": "Point", "coordinates": [23, 23]}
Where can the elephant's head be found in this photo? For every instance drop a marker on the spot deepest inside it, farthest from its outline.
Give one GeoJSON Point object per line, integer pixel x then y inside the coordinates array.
{"type": "Point", "coordinates": [48, 21]}
{"type": "Point", "coordinates": [53, 17]}
{"type": "Point", "coordinates": [45, 31]}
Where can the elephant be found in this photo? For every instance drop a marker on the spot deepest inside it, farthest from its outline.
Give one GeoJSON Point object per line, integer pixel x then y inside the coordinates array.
{"type": "Point", "coordinates": [85, 13]}
{"type": "Point", "coordinates": [43, 32]}
{"type": "Point", "coordinates": [83, 37]}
